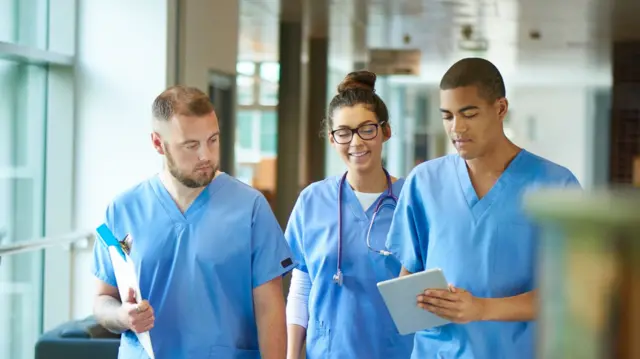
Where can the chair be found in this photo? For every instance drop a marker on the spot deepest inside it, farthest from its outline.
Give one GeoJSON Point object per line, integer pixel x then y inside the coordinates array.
{"type": "Point", "coordinates": [78, 339]}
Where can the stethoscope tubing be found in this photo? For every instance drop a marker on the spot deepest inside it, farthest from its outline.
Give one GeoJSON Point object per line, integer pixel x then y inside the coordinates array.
{"type": "Point", "coordinates": [338, 276]}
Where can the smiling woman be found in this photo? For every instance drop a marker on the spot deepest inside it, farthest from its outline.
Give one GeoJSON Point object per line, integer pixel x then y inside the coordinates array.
{"type": "Point", "coordinates": [358, 124]}
{"type": "Point", "coordinates": [345, 258]}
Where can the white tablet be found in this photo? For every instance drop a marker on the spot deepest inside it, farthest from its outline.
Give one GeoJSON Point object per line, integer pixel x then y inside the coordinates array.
{"type": "Point", "coordinates": [399, 295]}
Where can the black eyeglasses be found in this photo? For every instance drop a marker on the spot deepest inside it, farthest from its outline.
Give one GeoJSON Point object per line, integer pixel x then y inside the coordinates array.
{"type": "Point", "coordinates": [369, 131]}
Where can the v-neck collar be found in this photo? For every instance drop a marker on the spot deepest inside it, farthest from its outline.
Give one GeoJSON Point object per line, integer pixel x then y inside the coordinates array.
{"type": "Point", "coordinates": [170, 205]}
{"type": "Point", "coordinates": [478, 207]}
{"type": "Point", "coordinates": [349, 197]}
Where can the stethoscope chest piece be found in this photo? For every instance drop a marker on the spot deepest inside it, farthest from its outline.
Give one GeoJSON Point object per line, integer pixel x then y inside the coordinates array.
{"type": "Point", "coordinates": [338, 278]}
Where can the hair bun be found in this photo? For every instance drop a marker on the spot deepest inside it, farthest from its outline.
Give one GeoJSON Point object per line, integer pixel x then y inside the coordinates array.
{"type": "Point", "coordinates": [365, 80]}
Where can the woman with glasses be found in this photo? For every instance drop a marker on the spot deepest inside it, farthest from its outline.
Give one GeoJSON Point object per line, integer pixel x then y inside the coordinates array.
{"type": "Point", "coordinates": [337, 232]}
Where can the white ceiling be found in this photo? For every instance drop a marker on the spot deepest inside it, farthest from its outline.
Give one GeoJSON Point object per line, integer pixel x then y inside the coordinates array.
{"type": "Point", "coordinates": [574, 41]}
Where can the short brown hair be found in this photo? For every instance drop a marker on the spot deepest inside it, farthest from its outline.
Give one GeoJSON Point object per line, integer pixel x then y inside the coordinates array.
{"type": "Point", "coordinates": [181, 100]}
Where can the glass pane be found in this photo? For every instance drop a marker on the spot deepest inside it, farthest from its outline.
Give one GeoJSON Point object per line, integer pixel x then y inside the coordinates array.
{"type": "Point", "coordinates": [24, 22]}
{"type": "Point", "coordinates": [269, 133]}
{"type": "Point", "coordinates": [62, 26]}
{"type": "Point", "coordinates": [268, 93]}
{"type": "Point", "coordinates": [20, 304]}
{"type": "Point", "coordinates": [245, 90]}
{"type": "Point", "coordinates": [270, 71]}
{"type": "Point", "coordinates": [269, 79]}
{"type": "Point", "coordinates": [22, 134]}
{"type": "Point", "coordinates": [246, 68]}
{"type": "Point", "coordinates": [244, 129]}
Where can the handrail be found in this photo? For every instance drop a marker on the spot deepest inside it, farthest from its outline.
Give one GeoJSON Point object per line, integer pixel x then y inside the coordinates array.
{"type": "Point", "coordinates": [44, 243]}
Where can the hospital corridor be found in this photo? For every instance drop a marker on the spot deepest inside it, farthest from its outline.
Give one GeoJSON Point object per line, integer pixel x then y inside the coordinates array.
{"type": "Point", "coordinates": [319, 179]}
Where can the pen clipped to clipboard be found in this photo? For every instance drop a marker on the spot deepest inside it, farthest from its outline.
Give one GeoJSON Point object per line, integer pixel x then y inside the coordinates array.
{"type": "Point", "coordinates": [125, 272]}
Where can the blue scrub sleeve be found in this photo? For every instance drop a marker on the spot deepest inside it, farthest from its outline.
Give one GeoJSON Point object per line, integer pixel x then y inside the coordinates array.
{"type": "Point", "coordinates": [270, 254]}
{"type": "Point", "coordinates": [101, 266]}
{"type": "Point", "coordinates": [293, 234]}
{"type": "Point", "coordinates": [408, 233]}
{"type": "Point", "coordinates": [572, 182]}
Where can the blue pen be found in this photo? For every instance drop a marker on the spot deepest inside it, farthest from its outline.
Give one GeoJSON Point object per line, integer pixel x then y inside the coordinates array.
{"type": "Point", "coordinates": [109, 240]}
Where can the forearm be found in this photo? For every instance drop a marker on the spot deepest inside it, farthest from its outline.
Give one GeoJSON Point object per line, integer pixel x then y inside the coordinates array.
{"type": "Point", "coordinates": [295, 340]}
{"type": "Point", "coordinates": [271, 320]}
{"type": "Point", "coordinates": [272, 332]}
{"type": "Point", "coordinates": [107, 312]}
{"type": "Point", "coordinates": [519, 308]}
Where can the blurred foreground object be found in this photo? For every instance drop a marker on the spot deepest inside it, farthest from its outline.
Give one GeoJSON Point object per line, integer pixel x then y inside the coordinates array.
{"type": "Point", "coordinates": [636, 171]}
{"type": "Point", "coordinates": [589, 273]}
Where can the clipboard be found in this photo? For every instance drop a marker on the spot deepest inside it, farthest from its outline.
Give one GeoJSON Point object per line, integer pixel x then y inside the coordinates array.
{"type": "Point", "coordinates": [126, 276]}
{"type": "Point", "coordinates": [399, 295]}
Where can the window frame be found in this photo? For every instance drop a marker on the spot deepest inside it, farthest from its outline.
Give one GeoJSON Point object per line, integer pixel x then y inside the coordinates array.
{"type": "Point", "coordinates": [56, 56]}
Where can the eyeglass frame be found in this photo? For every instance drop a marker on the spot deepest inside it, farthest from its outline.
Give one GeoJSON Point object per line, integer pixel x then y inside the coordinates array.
{"type": "Point", "coordinates": [357, 131]}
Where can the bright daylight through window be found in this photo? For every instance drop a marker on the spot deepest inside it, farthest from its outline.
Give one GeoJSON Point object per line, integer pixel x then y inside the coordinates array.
{"type": "Point", "coordinates": [36, 63]}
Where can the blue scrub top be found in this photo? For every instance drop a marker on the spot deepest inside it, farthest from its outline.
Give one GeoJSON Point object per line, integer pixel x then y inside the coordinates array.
{"type": "Point", "coordinates": [348, 321]}
{"type": "Point", "coordinates": [197, 269]}
{"type": "Point", "coordinates": [486, 246]}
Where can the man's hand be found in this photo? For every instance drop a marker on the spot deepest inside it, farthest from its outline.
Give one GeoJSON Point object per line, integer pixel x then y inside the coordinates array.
{"type": "Point", "coordinates": [455, 304]}
{"type": "Point", "coordinates": [136, 316]}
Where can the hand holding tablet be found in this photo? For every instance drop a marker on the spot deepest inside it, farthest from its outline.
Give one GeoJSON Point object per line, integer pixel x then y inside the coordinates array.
{"type": "Point", "coordinates": [401, 298]}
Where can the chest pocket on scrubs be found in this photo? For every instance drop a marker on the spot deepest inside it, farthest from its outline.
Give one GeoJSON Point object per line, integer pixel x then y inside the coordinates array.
{"type": "Point", "coordinates": [319, 334]}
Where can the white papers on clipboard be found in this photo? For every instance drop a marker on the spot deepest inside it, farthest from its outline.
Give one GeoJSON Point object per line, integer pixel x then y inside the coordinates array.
{"type": "Point", "coordinates": [126, 277]}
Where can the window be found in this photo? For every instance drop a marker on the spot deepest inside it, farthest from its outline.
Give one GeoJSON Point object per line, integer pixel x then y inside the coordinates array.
{"type": "Point", "coordinates": [24, 22]}
{"type": "Point", "coordinates": [257, 123]}
{"type": "Point", "coordinates": [244, 129]}
{"type": "Point", "coordinates": [246, 86]}
{"type": "Point", "coordinates": [269, 133]}
{"type": "Point", "coordinates": [36, 57]}
{"type": "Point", "coordinates": [269, 78]}
{"type": "Point", "coordinates": [22, 124]}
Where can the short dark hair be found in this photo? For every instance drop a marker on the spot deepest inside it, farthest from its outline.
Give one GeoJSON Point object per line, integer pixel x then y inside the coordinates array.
{"type": "Point", "coordinates": [181, 100]}
{"type": "Point", "coordinates": [475, 71]}
{"type": "Point", "coordinates": [357, 88]}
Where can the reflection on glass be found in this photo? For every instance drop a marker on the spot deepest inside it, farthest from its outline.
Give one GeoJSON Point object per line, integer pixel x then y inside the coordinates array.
{"type": "Point", "coordinates": [24, 22]}
{"type": "Point", "coordinates": [22, 133]}
{"type": "Point", "coordinates": [245, 90]}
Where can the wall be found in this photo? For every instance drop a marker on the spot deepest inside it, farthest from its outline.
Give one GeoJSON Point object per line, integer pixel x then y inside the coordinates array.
{"type": "Point", "coordinates": [119, 74]}
{"type": "Point", "coordinates": [553, 122]}
{"type": "Point", "coordinates": [208, 39]}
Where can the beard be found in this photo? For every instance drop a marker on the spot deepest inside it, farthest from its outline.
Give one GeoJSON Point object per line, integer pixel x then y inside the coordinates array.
{"type": "Point", "coordinates": [193, 179]}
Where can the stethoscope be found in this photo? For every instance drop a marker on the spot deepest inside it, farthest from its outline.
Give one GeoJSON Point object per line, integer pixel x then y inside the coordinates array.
{"type": "Point", "coordinates": [338, 277]}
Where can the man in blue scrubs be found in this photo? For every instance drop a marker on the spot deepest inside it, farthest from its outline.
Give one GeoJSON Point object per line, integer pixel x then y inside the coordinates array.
{"type": "Point", "coordinates": [208, 250]}
{"type": "Point", "coordinates": [462, 213]}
